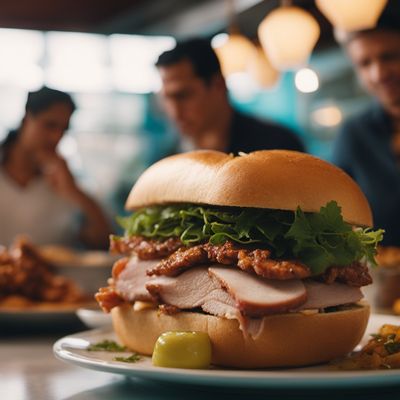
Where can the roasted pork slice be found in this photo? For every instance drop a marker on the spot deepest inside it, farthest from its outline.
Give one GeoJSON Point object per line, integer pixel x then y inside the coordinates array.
{"type": "Point", "coordinates": [194, 289]}
{"type": "Point", "coordinates": [220, 290]}
{"type": "Point", "coordinates": [131, 281]}
{"type": "Point", "coordinates": [255, 296]}
{"type": "Point", "coordinates": [320, 295]}
{"type": "Point", "coordinates": [222, 305]}
{"type": "Point", "coordinates": [190, 289]}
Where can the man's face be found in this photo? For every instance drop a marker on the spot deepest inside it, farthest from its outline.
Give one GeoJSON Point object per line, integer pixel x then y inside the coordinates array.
{"type": "Point", "coordinates": [376, 56]}
{"type": "Point", "coordinates": [189, 101]}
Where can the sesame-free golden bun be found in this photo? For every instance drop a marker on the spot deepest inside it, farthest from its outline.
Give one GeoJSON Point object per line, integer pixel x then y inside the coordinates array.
{"type": "Point", "coordinates": [286, 340]}
{"type": "Point", "coordinates": [274, 179]}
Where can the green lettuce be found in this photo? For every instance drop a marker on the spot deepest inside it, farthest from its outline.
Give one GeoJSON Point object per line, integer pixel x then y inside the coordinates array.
{"type": "Point", "coordinates": [317, 239]}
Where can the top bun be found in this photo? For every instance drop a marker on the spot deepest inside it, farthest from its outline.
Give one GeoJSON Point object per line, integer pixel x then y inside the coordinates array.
{"type": "Point", "coordinates": [276, 179]}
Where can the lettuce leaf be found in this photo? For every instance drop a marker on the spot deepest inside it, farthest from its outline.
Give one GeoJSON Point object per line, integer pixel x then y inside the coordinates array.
{"type": "Point", "coordinates": [324, 239]}
{"type": "Point", "coordinates": [318, 239]}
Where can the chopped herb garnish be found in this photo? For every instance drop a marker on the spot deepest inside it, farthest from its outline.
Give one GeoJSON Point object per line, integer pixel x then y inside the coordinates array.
{"type": "Point", "coordinates": [378, 338]}
{"type": "Point", "coordinates": [131, 359]}
{"type": "Point", "coordinates": [106, 345]}
{"type": "Point", "coordinates": [391, 346]}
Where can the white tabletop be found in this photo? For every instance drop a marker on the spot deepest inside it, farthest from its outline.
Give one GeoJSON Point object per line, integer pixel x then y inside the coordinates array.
{"type": "Point", "coordinates": [29, 371]}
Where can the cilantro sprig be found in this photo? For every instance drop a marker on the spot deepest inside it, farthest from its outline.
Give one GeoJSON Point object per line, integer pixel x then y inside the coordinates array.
{"type": "Point", "coordinates": [318, 239]}
{"type": "Point", "coordinates": [130, 359]}
{"type": "Point", "coordinates": [324, 239]}
{"type": "Point", "coordinates": [114, 347]}
{"type": "Point", "coordinates": [106, 345]}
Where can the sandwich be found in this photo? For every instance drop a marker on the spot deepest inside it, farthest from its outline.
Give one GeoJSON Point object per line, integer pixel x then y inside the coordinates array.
{"type": "Point", "coordinates": [265, 252]}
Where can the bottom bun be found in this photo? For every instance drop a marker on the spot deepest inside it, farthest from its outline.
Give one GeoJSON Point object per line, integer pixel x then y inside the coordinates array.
{"type": "Point", "coordinates": [286, 340]}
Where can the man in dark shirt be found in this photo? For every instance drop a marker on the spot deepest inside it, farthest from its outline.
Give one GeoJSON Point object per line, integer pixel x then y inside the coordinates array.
{"type": "Point", "coordinates": [368, 146]}
{"type": "Point", "coordinates": [196, 99]}
{"type": "Point", "coordinates": [363, 150]}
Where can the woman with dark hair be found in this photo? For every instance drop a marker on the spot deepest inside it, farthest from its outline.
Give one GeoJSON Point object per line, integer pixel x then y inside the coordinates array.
{"type": "Point", "coordinates": [38, 194]}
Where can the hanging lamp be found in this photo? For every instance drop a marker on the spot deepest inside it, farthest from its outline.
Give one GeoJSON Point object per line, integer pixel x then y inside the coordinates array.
{"type": "Point", "coordinates": [288, 35]}
{"type": "Point", "coordinates": [352, 15]}
{"type": "Point", "coordinates": [261, 69]}
{"type": "Point", "coordinates": [235, 51]}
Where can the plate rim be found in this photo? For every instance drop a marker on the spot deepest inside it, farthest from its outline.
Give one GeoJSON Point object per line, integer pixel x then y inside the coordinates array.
{"type": "Point", "coordinates": [308, 377]}
{"type": "Point", "coordinates": [38, 309]}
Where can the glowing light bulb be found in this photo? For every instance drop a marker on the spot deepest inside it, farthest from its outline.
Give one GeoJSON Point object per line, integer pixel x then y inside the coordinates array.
{"type": "Point", "coordinates": [306, 80]}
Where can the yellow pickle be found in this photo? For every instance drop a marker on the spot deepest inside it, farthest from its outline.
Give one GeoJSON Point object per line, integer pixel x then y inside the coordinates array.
{"type": "Point", "coordinates": [182, 350]}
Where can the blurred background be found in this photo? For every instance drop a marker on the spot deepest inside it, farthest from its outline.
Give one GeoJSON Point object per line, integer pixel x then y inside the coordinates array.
{"type": "Point", "coordinates": [103, 53]}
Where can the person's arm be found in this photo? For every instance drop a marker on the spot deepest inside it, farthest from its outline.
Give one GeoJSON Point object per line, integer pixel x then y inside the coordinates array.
{"type": "Point", "coordinates": [96, 227]}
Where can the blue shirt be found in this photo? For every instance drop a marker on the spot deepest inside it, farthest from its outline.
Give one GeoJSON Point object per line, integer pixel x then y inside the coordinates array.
{"type": "Point", "coordinates": [363, 149]}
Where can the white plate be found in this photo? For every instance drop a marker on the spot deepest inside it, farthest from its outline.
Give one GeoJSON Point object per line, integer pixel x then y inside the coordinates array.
{"type": "Point", "coordinates": [72, 349]}
{"type": "Point", "coordinates": [94, 318]}
{"type": "Point", "coordinates": [38, 317]}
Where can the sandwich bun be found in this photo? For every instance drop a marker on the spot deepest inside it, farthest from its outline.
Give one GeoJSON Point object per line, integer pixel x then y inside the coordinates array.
{"type": "Point", "coordinates": [275, 179]}
{"type": "Point", "coordinates": [286, 340]}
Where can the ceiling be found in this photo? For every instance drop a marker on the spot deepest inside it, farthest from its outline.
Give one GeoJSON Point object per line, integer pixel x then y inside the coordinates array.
{"type": "Point", "coordinates": [180, 18]}
{"type": "Point", "coordinates": [81, 15]}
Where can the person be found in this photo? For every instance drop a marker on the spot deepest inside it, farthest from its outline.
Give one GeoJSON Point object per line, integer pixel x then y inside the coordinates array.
{"type": "Point", "coordinates": [196, 99]}
{"type": "Point", "coordinates": [368, 146]}
{"type": "Point", "coordinates": [38, 194]}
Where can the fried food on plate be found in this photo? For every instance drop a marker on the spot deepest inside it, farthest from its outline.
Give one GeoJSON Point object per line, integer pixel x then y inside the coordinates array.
{"type": "Point", "coordinates": [381, 352]}
{"type": "Point", "coordinates": [26, 279]}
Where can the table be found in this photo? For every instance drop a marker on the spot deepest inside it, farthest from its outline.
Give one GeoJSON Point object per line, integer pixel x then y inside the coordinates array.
{"type": "Point", "coordinates": [29, 371]}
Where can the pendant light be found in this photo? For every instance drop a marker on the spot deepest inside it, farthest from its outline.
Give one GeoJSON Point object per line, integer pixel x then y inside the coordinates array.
{"type": "Point", "coordinates": [261, 69]}
{"type": "Point", "coordinates": [288, 35]}
{"type": "Point", "coordinates": [352, 15]}
{"type": "Point", "coordinates": [233, 52]}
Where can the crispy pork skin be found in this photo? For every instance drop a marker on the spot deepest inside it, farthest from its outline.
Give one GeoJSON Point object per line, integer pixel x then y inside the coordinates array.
{"type": "Point", "coordinates": [146, 249]}
{"type": "Point", "coordinates": [174, 257]}
{"type": "Point", "coordinates": [355, 274]}
{"type": "Point", "coordinates": [260, 262]}
{"type": "Point", "coordinates": [229, 253]}
{"type": "Point", "coordinates": [179, 261]}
